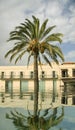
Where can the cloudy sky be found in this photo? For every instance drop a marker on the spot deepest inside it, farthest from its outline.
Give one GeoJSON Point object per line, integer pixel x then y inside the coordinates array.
{"type": "Point", "coordinates": [59, 12]}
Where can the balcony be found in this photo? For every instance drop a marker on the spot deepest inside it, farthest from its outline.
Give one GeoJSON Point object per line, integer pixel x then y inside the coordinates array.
{"type": "Point", "coordinates": [27, 77]}
{"type": "Point", "coordinates": [68, 78]}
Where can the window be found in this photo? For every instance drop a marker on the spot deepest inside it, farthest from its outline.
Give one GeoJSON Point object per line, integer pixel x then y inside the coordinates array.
{"type": "Point", "coordinates": [43, 74]}
{"type": "Point", "coordinates": [2, 75]}
{"type": "Point", "coordinates": [64, 73]}
{"type": "Point", "coordinates": [73, 72]}
{"type": "Point", "coordinates": [31, 74]}
{"type": "Point", "coordinates": [21, 74]}
{"type": "Point", "coordinates": [24, 86]}
{"type": "Point", "coordinates": [53, 74]}
{"type": "Point", "coordinates": [8, 86]}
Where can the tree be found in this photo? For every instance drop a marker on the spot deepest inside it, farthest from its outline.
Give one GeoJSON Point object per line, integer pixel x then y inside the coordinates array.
{"type": "Point", "coordinates": [35, 39]}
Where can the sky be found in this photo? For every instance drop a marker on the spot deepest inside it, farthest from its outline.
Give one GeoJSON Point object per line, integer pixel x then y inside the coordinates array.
{"type": "Point", "coordinates": [59, 12]}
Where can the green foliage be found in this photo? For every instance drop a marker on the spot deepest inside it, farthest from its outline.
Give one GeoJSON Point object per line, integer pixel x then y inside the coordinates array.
{"type": "Point", "coordinates": [30, 36]}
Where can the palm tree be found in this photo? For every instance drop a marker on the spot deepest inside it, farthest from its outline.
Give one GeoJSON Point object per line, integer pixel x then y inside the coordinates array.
{"type": "Point", "coordinates": [35, 39]}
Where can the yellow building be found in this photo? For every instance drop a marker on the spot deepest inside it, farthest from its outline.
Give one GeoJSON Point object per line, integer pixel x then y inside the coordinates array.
{"type": "Point", "coordinates": [58, 80]}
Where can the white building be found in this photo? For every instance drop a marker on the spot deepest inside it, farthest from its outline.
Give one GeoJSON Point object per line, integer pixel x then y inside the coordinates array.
{"type": "Point", "coordinates": [20, 79]}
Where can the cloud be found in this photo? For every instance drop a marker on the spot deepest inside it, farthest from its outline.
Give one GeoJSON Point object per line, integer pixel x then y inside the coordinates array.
{"type": "Point", "coordinates": [70, 55]}
{"type": "Point", "coordinates": [60, 13]}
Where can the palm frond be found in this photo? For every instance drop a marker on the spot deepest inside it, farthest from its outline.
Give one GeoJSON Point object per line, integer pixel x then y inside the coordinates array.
{"type": "Point", "coordinates": [58, 34]}
{"type": "Point", "coordinates": [36, 23]}
{"type": "Point", "coordinates": [53, 37]}
{"type": "Point", "coordinates": [14, 38]}
{"type": "Point", "coordinates": [29, 59]}
{"type": "Point", "coordinates": [20, 56]}
{"type": "Point", "coordinates": [24, 29]}
{"type": "Point", "coordinates": [47, 31]}
{"type": "Point", "coordinates": [58, 51]}
{"type": "Point", "coordinates": [13, 56]}
{"type": "Point", "coordinates": [42, 29]}
{"type": "Point", "coordinates": [54, 58]}
{"type": "Point", "coordinates": [50, 50]}
{"type": "Point", "coordinates": [8, 53]}
{"type": "Point", "coordinates": [19, 34]}
{"type": "Point", "coordinates": [15, 32]}
{"type": "Point", "coordinates": [54, 52]}
{"type": "Point", "coordinates": [31, 27]}
{"type": "Point", "coordinates": [46, 59]}
{"type": "Point", "coordinates": [18, 47]}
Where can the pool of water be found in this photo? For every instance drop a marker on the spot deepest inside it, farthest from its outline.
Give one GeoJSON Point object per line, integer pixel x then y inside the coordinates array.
{"type": "Point", "coordinates": [67, 123]}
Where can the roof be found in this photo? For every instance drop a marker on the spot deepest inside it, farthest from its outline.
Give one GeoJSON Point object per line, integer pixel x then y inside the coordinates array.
{"type": "Point", "coordinates": [68, 63]}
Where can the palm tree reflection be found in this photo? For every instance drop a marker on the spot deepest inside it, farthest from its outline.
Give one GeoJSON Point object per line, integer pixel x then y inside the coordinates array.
{"type": "Point", "coordinates": [46, 119]}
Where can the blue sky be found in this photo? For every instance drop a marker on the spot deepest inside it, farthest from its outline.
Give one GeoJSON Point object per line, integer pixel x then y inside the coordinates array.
{"type": "Point", "coordinates": [59, 12]}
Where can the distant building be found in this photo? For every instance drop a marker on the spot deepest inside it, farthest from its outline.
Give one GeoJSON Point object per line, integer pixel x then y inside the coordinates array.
{"type": "Point", "coordinates": [60, 78]}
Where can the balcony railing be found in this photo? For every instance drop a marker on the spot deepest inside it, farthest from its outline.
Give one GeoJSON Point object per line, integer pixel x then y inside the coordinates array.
{"type": "Point", "coordinates": [25, 77]}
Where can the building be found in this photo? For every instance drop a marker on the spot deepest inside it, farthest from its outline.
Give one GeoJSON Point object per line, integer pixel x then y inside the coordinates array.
{"type": "Point", "coordinates": [58, 80]}
{"type": "Point", "coordinates": [68, 82]}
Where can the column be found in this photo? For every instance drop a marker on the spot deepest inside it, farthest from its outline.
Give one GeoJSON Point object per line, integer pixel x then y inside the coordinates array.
{"type": "Point", "coordinates": [54, 86]}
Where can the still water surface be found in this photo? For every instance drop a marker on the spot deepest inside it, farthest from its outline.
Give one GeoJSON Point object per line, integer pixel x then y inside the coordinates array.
{"type": "Point", "coordinates": [68, 122]}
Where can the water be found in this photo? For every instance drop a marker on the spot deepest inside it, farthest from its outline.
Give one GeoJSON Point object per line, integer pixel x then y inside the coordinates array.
{"type": "Point", "coordinates": [7, 124]}
{"type": "Point", "coordinates": [67, 122]}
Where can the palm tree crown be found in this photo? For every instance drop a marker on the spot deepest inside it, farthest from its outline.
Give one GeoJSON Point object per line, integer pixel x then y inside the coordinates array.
{"type": "Point", "coordinates": [32, 38]}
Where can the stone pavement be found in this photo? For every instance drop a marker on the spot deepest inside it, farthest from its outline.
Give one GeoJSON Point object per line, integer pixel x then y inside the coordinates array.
{"type": "Point", "coordinates": [27, 103]}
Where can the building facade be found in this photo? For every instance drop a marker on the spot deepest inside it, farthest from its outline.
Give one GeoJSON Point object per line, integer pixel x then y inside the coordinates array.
{"type": "Point", "coordinates": [58, 80]}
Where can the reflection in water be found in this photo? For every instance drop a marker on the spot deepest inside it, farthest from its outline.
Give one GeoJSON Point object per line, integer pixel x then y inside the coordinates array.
{"type": "Point", "coordinates": [45, 119]}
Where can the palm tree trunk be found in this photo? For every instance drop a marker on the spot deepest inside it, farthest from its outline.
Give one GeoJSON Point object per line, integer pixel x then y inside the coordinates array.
{"type": "Point", "coordinates": [36, 85]}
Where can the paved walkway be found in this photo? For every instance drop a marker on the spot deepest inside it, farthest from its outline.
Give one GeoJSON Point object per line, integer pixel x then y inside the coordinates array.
{"type": "Point", "coordinates": [16, 102]}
